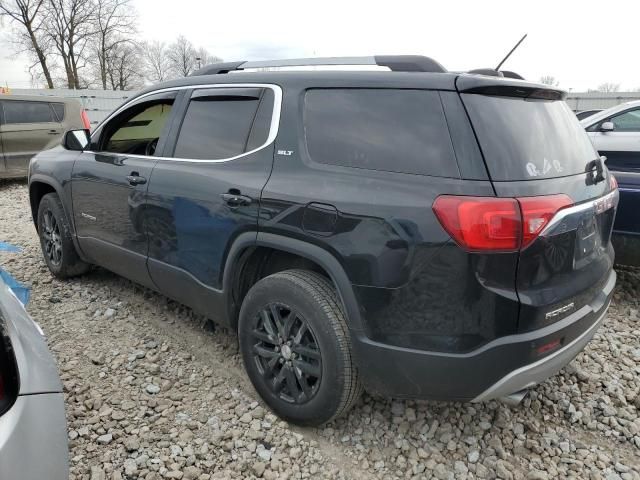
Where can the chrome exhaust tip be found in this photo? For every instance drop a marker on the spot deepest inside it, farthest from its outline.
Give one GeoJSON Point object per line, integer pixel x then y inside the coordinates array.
{"type": "Point", "coordinates": [515, 398]}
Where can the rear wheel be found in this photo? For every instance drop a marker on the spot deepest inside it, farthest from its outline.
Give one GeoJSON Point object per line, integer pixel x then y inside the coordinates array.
{"type": "Point", "coordinates": [56, 241]}
{"type": "Point", "coordinates": [296, 349]}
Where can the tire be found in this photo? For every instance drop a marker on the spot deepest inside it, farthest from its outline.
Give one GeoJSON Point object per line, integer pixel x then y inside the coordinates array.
{"type": "Point", "coordinates": [56, 239]}
{"type": "Point", "coordinates": [312, 379]}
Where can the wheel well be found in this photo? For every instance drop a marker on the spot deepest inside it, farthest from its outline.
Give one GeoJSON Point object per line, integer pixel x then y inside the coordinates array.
{"type": "Point", "coordinates": [256, 263]}
{"type": "Point", "coordinates": [37, 190]}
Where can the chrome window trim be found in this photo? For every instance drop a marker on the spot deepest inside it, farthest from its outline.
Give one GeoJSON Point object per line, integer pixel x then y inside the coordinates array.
{"type": "Point", "coordinates": [273, 128]}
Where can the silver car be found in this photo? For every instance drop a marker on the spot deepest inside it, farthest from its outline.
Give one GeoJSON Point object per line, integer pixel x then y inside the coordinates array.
{"type": "Point", "coordinates": [33, 432]}
{"type": "Point", "coordinates": [616, 135]}
{"type": "Point", "coordinates": [32, 123]}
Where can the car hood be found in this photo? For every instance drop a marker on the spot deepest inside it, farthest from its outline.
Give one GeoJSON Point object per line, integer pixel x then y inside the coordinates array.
{"type": "Point", "coordinates": [36, 367]}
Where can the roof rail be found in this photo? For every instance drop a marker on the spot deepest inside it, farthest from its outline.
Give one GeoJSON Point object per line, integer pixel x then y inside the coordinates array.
{"type": "Point", "coordinates": [216, 68]}
{"type": "Point", "coordinates": [396, 63]}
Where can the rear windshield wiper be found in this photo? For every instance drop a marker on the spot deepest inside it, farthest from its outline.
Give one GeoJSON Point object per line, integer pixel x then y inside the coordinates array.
{"type": "Point", "coordinates": [595, 171]}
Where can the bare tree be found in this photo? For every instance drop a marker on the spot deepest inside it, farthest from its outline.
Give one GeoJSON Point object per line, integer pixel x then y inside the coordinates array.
{"type": "Point", "coordinates": [123, 67]}
{"type": "Point", "coordinates": [115, 25]}
{"type": "Point", "coordinates": [71, 25]}
{"type": "Point", "coordinates": [608, 87]}
{"type": "Point", "coordinates": [154, 56]}
{"type": "Point", "coordinates": [97, 34]}
{"type": "Point", "coordinates": [203, 57]}
{"type": "Point", "coordinates": [182, 57]}
{"type": "Point", "coordinates": [549, 80]}
{"type": "Point", "coordinates": [29, 15]}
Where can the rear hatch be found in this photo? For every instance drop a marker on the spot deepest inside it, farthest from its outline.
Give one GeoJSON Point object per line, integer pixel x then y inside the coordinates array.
{"type": "Point", "coordinates": [536, 152]}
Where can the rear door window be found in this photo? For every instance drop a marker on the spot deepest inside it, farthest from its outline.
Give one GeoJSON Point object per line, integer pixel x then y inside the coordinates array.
{"type": "Point", "coordinates": [221, 125]}
{"type": "Point", "coordinates": [18, 111]}
{"type": "Point", "coordinates": [528, 139]}
{"type": "Point", "coordinates": [379, 129]}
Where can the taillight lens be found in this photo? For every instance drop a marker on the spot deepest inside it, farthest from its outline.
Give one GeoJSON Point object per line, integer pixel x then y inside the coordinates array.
{"type": "Point", "coordinates": [85, 120]}
{"type": "Point", "coordinates": [537, 212]}
{"type": "Point", "coordinates": [613, 181]}
{"type": "Point", "coordinates": [480, 223]}
{"type": "Point", "coordinates": [490, 224]}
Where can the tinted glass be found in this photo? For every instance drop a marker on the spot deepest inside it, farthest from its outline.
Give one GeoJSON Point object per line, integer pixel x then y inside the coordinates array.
{"type": "Point", "coordinates": [27, 112]}
{"type": "Point", "coordinates": [262, 123]}
{"type": "Point", "coordinates": [586, 114]}
{"type": "Point", "coordinates": [627, 122]}
{"type": "Point", "coordinates": [528, 139]}
{"type": "Point", "coordinates": [138, 129]}
{"type": "Point", "coordinates": [58, 108]}
{"type": "Point", "coordinates": [216, 127]}
{"type": "Point", "coordinates": [379, 129]}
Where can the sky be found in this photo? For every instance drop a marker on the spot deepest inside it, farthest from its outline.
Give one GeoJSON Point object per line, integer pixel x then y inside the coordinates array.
{"type": "Point", "coordinates": [580, 43]}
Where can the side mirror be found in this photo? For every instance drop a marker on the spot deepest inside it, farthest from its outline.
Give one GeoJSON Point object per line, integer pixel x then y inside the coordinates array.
{"type": "Point", "coordinates": [607, 127]}
{"type": "Point", "coordinates": [76, 140]}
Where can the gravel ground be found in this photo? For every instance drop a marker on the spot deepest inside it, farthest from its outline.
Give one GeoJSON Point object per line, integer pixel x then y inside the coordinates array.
{"type": "Point", "coordinates": [153, 391]}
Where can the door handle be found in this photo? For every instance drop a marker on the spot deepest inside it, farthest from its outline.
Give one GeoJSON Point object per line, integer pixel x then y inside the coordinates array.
{"type": "Point", "coordinates": [53, 132]}
{"type": "Point", "coordinates": [235, 200]}
{"type": "Point", "coordinates": [135, 179]}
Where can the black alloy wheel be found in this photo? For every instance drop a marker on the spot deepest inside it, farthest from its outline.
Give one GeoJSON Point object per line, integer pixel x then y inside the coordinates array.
{"type": "Point", "coordinates": [286, 353]}
{"type": "Point", "coordinates": [56, 239]}
{"type": "Point", "coordinates": [296, 347]}
{"type": "Point", "coordinates": [51, 238]}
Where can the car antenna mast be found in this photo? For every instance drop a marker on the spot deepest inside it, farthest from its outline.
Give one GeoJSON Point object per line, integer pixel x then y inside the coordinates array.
{"type": "Point", "coordinates": [511, 51]}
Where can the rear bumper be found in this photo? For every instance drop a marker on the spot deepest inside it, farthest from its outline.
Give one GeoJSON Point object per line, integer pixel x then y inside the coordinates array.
{"type": "Point", "coordinates": [539, 371]}
{"type": "Point", "coordinates": [33, 439]}
{"type": "Point", "coordinates": [501, 367]}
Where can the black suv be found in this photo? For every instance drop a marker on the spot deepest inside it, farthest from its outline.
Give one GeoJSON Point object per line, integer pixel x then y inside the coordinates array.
{"type": "Point", "coordinates": [415, 232]}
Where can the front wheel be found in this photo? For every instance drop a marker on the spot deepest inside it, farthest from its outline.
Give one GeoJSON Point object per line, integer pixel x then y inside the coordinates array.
{"type": "Point", "coordinates": [56, 241]}
{"type": "Point", "coordinates": [296, 349]}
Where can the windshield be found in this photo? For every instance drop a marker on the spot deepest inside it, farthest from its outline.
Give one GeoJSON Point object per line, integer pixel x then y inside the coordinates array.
{"type": "Point", "coordinates": [528, 139]}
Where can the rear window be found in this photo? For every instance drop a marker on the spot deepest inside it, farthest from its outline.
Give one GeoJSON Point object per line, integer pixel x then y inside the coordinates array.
{"type": "Point", "coordinates": [18, 111]}
{"type": "Point", "coordinates": [528, 139]}
{"type": "Point", "coordinates": [58, 109]}
{"type": "Point", "coordinates": [379, 129]}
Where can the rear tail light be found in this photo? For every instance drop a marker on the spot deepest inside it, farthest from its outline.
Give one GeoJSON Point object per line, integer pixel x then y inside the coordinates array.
{"type": "Point", "coordinates": [85, 120]}
{"type": "Point", "coordinates": [537, 212]}
{"type": "Point", "coordinates": [496, 224]}
{"type": "Point", "coordinates": [613, 182]}
{"type": "Point", "coordinates": [480, 223]}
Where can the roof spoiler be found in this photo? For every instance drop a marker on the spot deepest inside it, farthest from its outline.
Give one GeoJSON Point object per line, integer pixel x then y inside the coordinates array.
{"type": "Point", "coordinates": [396, 63]}
{"type": "Point", "coordinates": [507, 87]}
{"type": "Point", "coordinates": [496, 73]}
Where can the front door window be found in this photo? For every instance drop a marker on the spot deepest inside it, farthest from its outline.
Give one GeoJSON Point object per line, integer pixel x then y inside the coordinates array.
{"type": "Point", "coordinates": [138, 130]}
